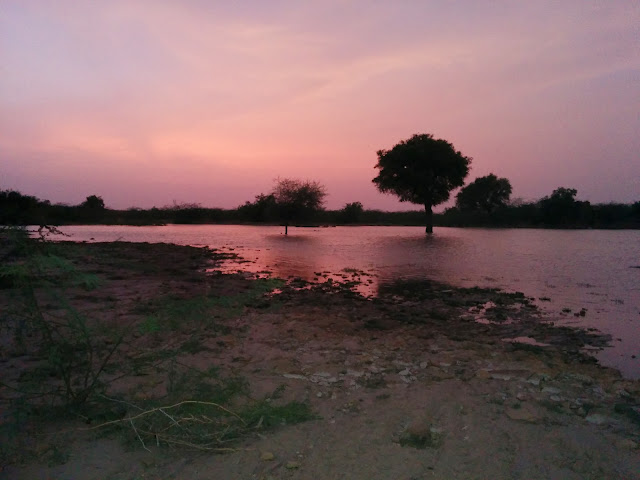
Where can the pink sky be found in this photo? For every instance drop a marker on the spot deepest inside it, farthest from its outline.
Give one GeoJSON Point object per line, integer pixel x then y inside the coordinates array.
{"type": "Point", "coordinates": [148, 102]}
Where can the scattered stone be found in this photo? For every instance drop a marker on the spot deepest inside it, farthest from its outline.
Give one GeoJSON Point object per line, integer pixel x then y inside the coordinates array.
{"type": "Point", "coordinates": [501, 376]}
{"type": "Point", "coordinates": [404, 372]}
{"type": "Point", "coordinates": [292, 465]}
{"type": "Point", "coordinates": [295, 376]}
{"type": "Point", "coordinates": [424, 365]}
{"type": "Point", "coordinates": [483, 374]}
{"type": "Point", "coordinates": [267, 456]}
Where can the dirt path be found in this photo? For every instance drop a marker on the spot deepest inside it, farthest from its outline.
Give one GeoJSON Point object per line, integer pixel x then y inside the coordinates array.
{"type": "Point", "coordinates": [408, 386]}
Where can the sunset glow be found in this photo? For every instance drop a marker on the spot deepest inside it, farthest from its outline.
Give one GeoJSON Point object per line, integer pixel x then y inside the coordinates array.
{"type": "Point", "coordinates": [148, 102]}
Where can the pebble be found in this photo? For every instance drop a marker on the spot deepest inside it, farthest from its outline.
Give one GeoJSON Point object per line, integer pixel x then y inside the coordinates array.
{"type": "Point", "coordinates": [404, 372]}
{"type": "Point", "coordinates": [597, 419]}
{"type": "Point", "coordinates": [551, 390]}
{"type": "Point", "coordinates": [267, 456]}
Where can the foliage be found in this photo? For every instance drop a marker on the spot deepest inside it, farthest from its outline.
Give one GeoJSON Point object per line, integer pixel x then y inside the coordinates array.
{"type": "Point", "coordinates": [93, 202]}
{"type": "Point", "coordinates": [296, 200]}
{"type": "Point", "coordinates": [262, 209]}
{"type": "Point", "coordinates": [351, 213]}
{"type": "Point", "coordinates": [19, 209]}
{"type": "Point", "coordinates": [73, 352]}
{"type": "Point", "coordinates": [227, 414]}
{"type": "Point", "coordinates": [484, 193]}
{"type": "Point", "coordinates": [562, 208]}
{"type": "Point", "coordinates": [421, 170]}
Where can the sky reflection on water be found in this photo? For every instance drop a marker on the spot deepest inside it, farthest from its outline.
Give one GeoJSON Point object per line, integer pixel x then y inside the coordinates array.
{"type": "Point", "coordinates": [574, 269]}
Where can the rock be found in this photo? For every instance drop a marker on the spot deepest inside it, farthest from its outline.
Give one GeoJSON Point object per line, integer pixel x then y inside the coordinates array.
{"type": "Point", "coordinates": [424, 365]}
{"type": "Point", "coordinates": [556, 398]}
{"type": "Point", "coordinates": [584, 379]}
{"type": "Point", "coordinates": [267, 456]}
{"type": "Point", "coordinates": [526, 413]}
{"type": "Point", "coordinates": [597, 419]}
{"type": "Point", "coordinates": [483, 374]}
{"type": "Point", "coordinates": [501, 376]}
{"type": "Point", "coordinates": [404, 372]}
{"type": "Point", "coordinates": [292, 465]}
{"type": "Point", "coordinates": [294, 376]}
{"type": "Point", "coordinates": [422, 434]}
{"type": "Point", "coordinates": [551, 390]}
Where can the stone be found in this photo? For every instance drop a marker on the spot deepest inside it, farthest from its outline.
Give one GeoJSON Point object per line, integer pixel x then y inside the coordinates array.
{"type": "Point", "coordinates": [483, 374]}
{"type": "Point", "coordinates": [597, 419]}
{"type": "Point", "coordinates": [294, 376]}
{"type": "Point", "coordinates": [292, 465]}
{"type": "Point", "coordinates": [267, 456]}
{"type": "Point", "coordinates": [404, 372]}
{"type": "Point", "coordinates": [421, 435]}
{"type": "Point", "coordinates": [551, 390]}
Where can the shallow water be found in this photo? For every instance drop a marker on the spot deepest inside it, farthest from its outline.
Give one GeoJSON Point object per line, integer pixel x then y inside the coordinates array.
{"type": "Point", "coordinates": [594, 270]}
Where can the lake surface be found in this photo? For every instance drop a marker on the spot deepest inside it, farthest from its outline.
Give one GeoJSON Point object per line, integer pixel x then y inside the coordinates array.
{"type": "Point", "coordinates": [598, 270]}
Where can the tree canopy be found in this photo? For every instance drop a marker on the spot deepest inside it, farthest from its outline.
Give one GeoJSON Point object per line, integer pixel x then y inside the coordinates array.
{"type": "Point", "coordinates": [421, 170]}
{"type": "Point", "coordinates": [484, 193]}
{"type": "Point", "coordinates": [93, 202]}
{"type": "Point", "coordinates": [297, 199]}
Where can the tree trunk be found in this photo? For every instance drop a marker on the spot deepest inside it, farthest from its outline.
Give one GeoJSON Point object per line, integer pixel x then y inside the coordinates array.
{"type": "Point", "coordinates": [286, 229]}
{"type": "Point", "coordinates": [429, 212]}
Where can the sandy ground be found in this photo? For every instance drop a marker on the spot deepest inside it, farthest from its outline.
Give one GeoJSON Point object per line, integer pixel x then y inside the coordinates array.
{"type": "Point", "coordinates": [417, 384]}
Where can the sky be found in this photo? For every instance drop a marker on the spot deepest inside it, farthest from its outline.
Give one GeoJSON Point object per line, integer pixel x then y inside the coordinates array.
{"type": "Point", "coordinates": [151, 102]}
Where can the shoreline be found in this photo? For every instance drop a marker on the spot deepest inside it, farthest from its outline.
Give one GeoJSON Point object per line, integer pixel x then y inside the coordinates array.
{"type": "Point", "coordinates": [406, 381]}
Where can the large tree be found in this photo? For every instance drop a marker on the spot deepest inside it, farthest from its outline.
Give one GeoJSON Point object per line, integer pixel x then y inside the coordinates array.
{"type": "Point", "coordinates": [296, 200]}
{"type": "Point", "coordinates": [484, 193]}
{"type": "Point", "coordinates": [421, 170]}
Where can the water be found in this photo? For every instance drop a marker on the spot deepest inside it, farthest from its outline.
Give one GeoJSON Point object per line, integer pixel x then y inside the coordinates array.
{"type": "Point", "coordinates": [567, 269]}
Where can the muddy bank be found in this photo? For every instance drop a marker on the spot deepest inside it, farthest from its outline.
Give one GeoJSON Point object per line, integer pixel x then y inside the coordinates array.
{"type": "Point", "coordinates": [423, 381]}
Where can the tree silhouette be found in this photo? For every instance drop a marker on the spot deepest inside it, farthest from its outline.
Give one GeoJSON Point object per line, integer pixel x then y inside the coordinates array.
{"type": "Point", "coordinates": [93, 202]}
{"type": "Point", "coordinates": [351, 212]}
{"type": "Point", "coordinates": [421, 170]}
{"type": "Point", "coordinates": [484, 193]}
{"type": "Point", "coordinates": [562, 208]}
{"type": "Point", "coordinates": [297, 199]}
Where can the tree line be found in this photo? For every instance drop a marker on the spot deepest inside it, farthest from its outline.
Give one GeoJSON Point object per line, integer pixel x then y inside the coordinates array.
{"type": "Point", "coordinates": [422, 170]}
{"type": "Point", "coordinates": [558, 210]}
